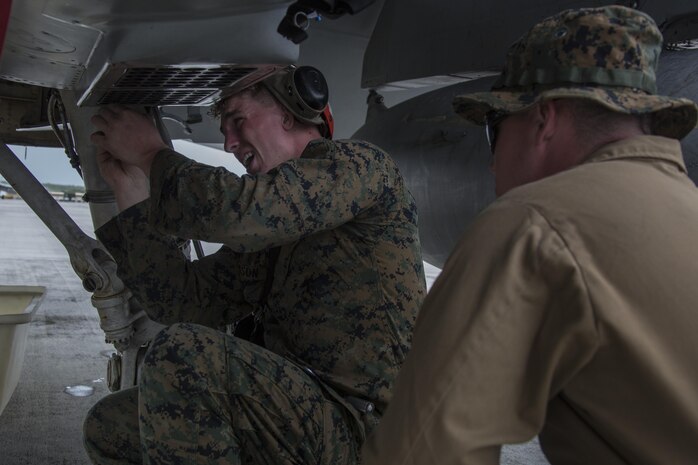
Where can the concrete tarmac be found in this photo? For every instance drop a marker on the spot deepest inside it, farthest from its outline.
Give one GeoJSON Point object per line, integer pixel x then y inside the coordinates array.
{"type": "Point", "coordinates": [42, 424]}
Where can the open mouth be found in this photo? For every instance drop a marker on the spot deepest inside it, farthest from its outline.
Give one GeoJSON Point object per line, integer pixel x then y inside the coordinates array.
{"type": "Point", "coordinates": [247, 159]}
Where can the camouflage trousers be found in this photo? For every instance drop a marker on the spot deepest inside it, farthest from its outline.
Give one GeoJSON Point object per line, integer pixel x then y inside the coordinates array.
{"type": "Point", "coordinates": [205, 397]}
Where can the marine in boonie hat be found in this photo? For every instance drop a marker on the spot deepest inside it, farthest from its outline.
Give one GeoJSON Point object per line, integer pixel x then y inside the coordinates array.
{"type": "Point", "coordinates": [608, 55]}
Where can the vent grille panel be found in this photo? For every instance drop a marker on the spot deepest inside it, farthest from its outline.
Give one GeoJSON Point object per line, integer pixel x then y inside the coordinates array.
{"type": "Point", "coordinates": [206, 78]}
{"type": "Point", "coordinates": [152, 97]}
{"type": "Point", "coordinates": [130, 84]}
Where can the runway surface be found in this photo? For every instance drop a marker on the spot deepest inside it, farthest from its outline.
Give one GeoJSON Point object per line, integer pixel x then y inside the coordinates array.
{"type": "Point", "coordinates": [42, 424]}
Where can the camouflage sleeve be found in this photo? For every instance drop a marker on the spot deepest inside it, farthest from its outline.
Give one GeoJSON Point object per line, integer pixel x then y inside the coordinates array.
{"type": "Point", "coordinates": [211, 291]}
{"type": "Point", "coordinates": [252, 213]}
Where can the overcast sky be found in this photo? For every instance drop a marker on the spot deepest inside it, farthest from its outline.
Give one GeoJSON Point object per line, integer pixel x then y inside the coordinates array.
{"type": "Point", "coordinates": [50, 165]}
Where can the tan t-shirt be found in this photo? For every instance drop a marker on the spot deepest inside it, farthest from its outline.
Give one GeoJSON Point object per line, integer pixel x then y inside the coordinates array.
{"type": "Point", "coordinates": [569, 309]}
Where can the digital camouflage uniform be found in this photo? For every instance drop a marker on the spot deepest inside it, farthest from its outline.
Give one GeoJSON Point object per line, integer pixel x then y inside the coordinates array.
{"type": "Point", "coordinates": [324, 250]}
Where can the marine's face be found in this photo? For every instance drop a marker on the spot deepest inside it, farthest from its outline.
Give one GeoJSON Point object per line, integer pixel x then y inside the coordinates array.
{"type": "Point", "coordinates": [254, 132]}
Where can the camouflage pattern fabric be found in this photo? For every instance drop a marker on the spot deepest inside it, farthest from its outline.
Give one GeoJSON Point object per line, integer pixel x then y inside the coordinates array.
{"type": "Point", "coordinates": [348, 280]}
{"type": "Point", "coordinates": [206, 397]}
{"type": "Point", "coordinates": [608, 55]}
{"type": "Point", "coordinates": [110, 432]}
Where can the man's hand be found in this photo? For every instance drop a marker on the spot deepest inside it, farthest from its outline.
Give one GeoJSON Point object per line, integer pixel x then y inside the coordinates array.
{"type": "Point", "coordinates": [128, 136]}
{"type": "Point", "coordinates": [129, 183]}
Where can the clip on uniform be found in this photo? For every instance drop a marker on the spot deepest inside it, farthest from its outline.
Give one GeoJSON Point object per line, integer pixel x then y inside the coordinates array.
{"type": "Point", "coordinates": [362, 405]}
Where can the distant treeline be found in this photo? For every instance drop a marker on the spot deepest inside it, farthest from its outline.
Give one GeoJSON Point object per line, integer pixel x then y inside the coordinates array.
{"type": "Point", "coordinates": [63, 188]}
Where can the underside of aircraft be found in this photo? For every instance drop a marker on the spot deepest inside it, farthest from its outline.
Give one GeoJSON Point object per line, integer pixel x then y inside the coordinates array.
{"type": "Point", "coordinates": [62, 60]}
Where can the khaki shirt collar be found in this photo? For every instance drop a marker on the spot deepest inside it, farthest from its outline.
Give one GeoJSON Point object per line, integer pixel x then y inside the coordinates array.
{"type": "Point", "coordinates": [650, 147]}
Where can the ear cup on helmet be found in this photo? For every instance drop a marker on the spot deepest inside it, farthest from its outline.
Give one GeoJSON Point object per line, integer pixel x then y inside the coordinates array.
{"type": "Point", "coordinates": [311, 87]}
{"type": "Point", "coordinates": [304, 92]}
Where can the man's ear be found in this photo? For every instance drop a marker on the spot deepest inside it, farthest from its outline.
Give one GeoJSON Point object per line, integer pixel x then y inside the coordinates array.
{"type": "Point", "coordinates": [546, 116]}
{"type": "Point", "coordinates": [288, 120]}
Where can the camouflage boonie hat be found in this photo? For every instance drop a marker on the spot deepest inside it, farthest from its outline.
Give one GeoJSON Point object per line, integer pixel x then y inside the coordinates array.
{"type": "Point", "coordinates": [608, 55]}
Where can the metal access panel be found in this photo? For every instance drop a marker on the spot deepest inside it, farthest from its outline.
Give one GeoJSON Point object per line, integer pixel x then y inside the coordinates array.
{"type": "Point", "coordinates": [161, 52]}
